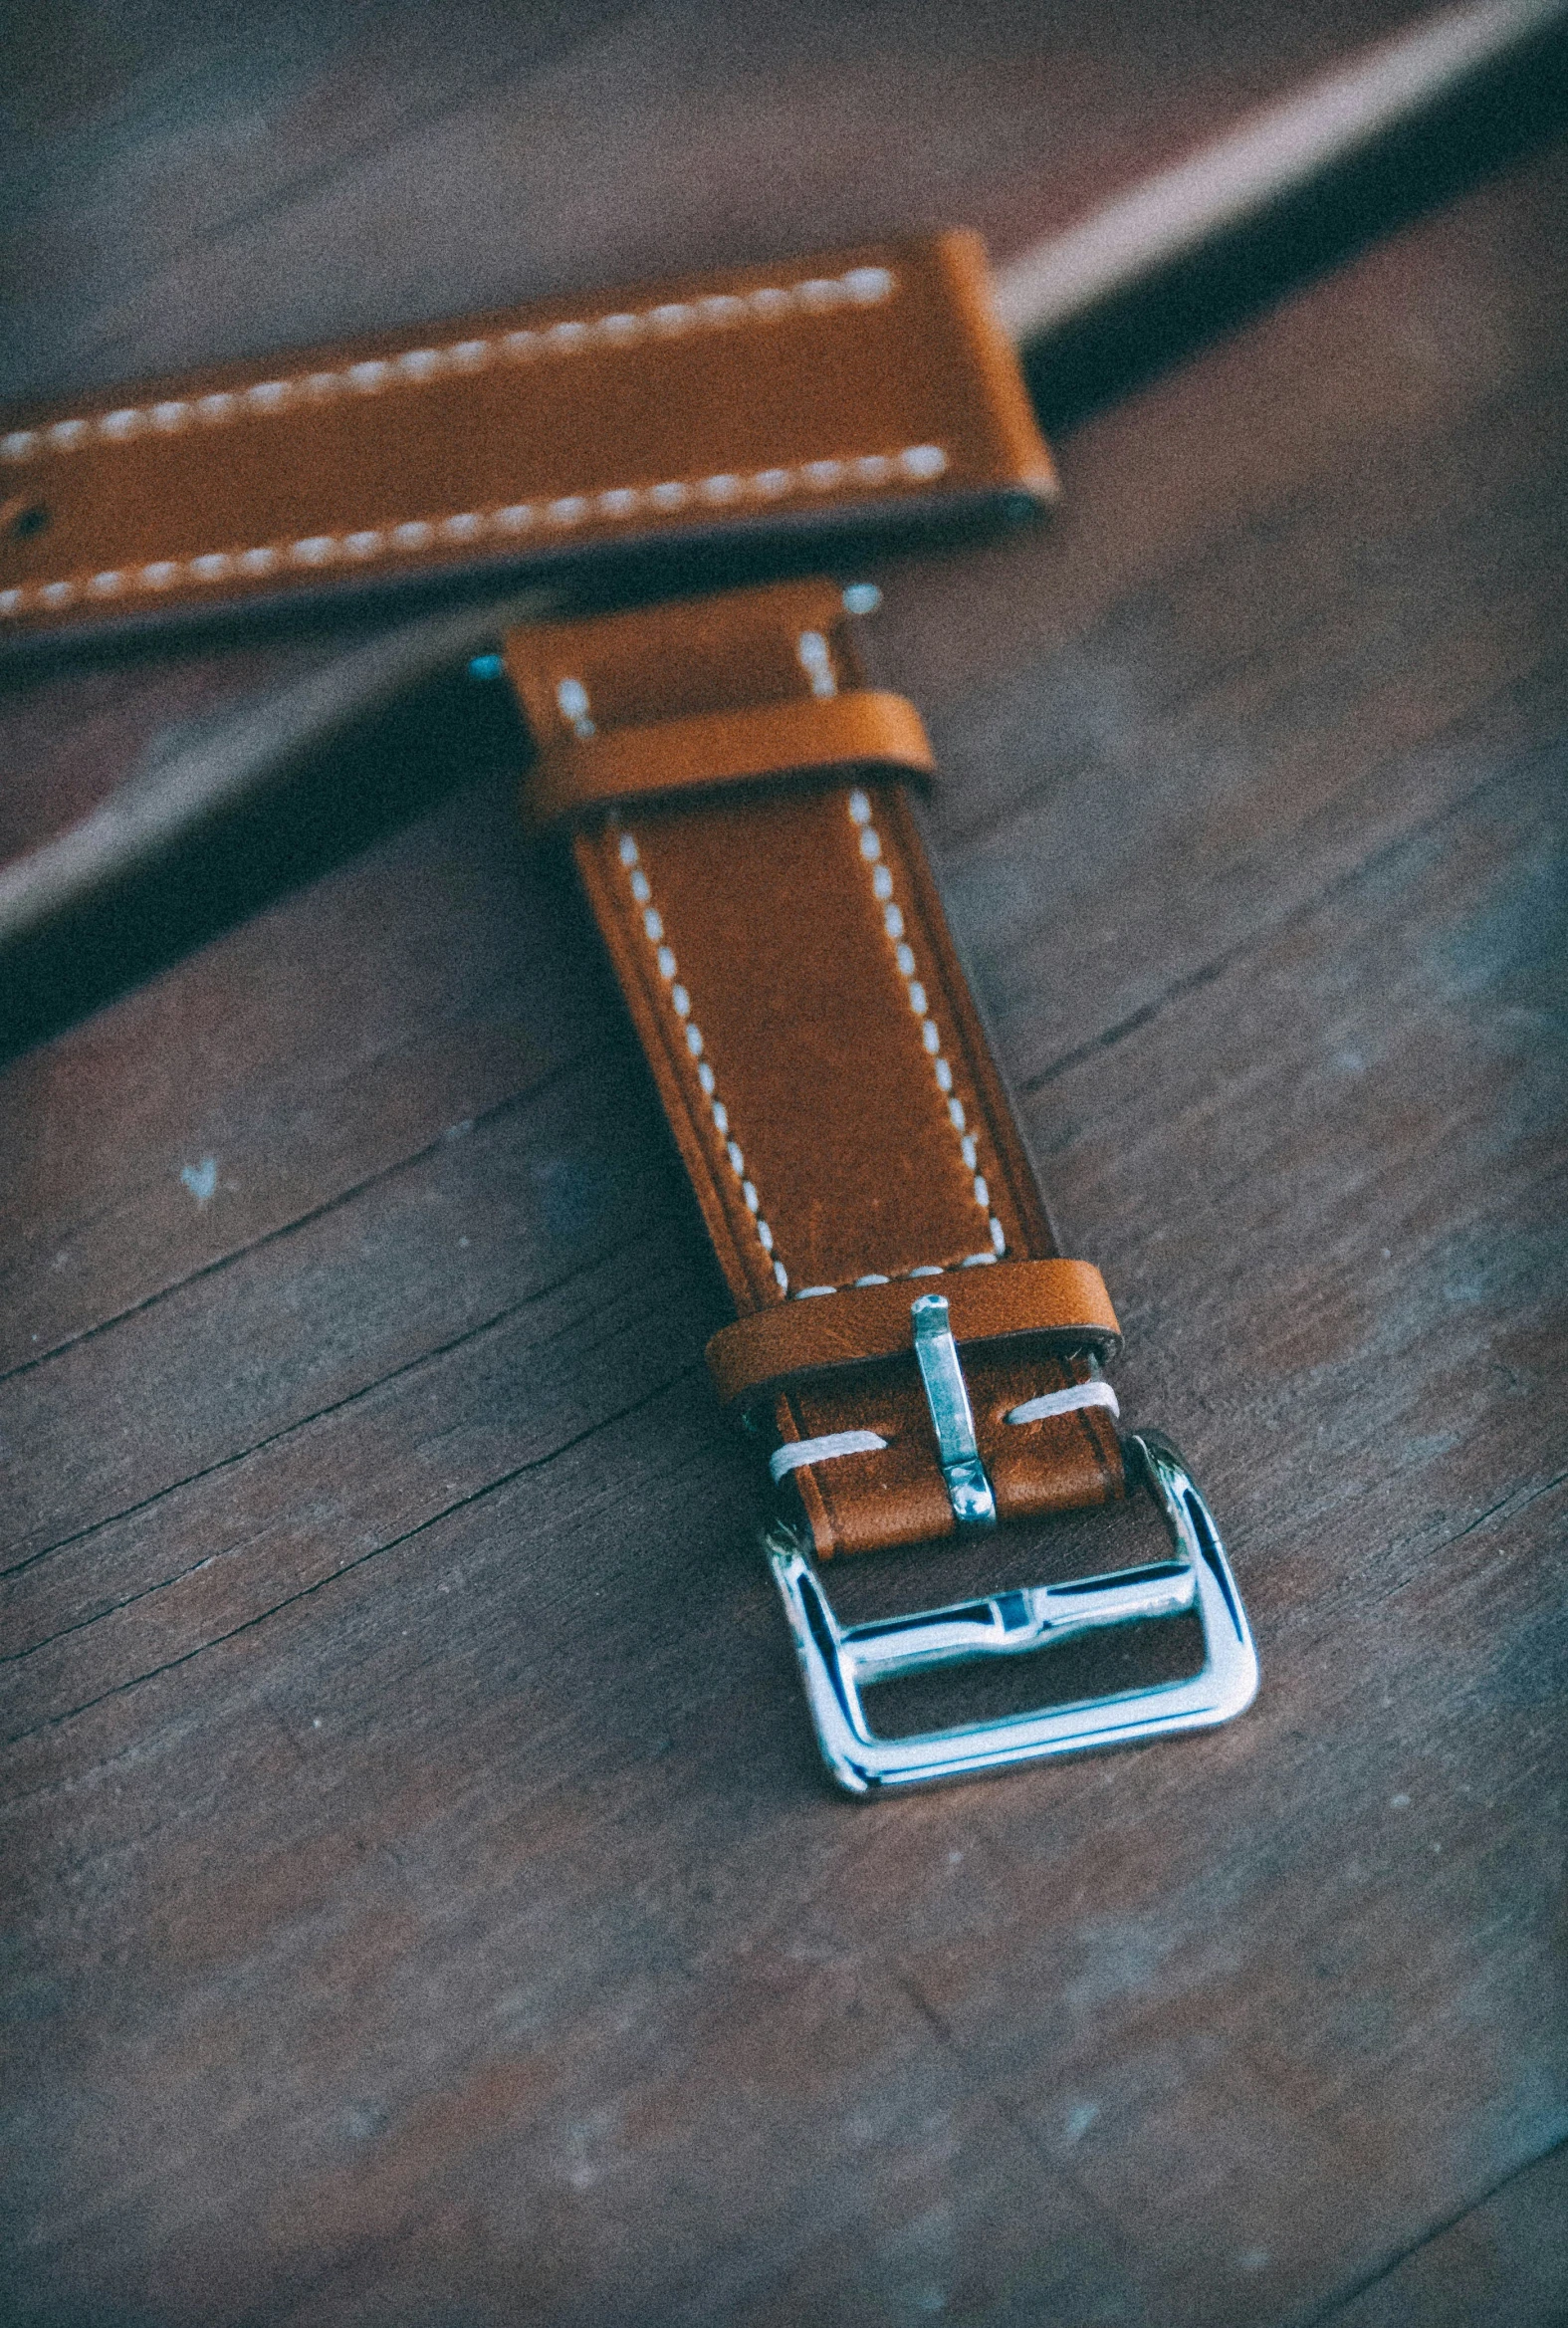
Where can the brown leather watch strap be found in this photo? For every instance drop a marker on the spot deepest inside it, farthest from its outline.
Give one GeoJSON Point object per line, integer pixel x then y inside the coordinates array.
{"type": "Point", "coordinates": [818, 1054]}
{"type": "Point", "coordinates": [862, 388]}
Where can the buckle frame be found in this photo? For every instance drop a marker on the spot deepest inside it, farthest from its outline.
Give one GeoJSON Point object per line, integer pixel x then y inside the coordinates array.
{"type": "Point", "coordinates": [837, 1660]}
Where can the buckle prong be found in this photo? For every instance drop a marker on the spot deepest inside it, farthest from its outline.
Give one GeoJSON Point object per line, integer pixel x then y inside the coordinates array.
{"type": "Point", "coordinates": [969, 1490]}
{"type": "Point", "coordinates": [838, 1660]}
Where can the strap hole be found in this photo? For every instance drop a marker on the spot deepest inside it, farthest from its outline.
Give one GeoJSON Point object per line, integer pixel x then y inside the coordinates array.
{"type": "Point", "coordinates": [24, 523]}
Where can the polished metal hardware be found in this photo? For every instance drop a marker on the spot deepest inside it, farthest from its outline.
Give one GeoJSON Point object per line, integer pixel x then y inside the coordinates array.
{"type": "Point", "coordinates": [840, 1661]}
{"type": "Point", "coordinates": [969, 1490]}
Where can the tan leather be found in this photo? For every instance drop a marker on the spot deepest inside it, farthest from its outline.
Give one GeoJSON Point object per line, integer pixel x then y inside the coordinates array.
{"type": "Point", "coordinates": [785, 962]}
{"type": "Point", "coordinates": [867, 727]}
{"type": "Point", "coordinates": [866, 387]}
{"type": "Point", "coordinates": [688, 658]}
{"type": "Point", "coordinates": [780, 1346]}
{"type": "Point", "coordinates": [671, 707]}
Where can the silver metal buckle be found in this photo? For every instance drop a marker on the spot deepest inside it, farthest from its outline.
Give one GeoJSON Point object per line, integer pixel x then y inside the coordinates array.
{"type": "Point", "coordinates": [839, 1660]}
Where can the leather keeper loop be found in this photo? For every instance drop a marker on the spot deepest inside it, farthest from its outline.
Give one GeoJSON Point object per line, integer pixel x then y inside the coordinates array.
{"type": "Point", "coordinates": [865, 727]}
{"type": "Point", "coordinates": [761, 1353]}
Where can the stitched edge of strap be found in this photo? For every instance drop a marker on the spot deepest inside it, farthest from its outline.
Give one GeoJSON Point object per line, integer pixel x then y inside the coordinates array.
{"type": "Point", "coordinates": [761, 1353]}
{"type": "Point", "coordinates": [707, 750]}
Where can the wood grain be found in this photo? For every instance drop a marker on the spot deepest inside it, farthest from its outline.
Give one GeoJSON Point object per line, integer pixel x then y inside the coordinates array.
{"type": "Point", "coordinates": [422, 1901]}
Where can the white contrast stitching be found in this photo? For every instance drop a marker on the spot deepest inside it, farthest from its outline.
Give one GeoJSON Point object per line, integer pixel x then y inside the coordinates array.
{"type": "Point", "coordinates": [931, 1039]}
{"type": "Point", "coordinates": [815, 659]}
{"type": "Point", "coordinates": [824, 1450]}
{"type": "Point", "coordinates": [721, 310]}
{"type": "Point", "coordinates": [925, 1269]}
{"type": "Point", "coordinates": [1065, 1402]}
{"type": "Point", "coordinates": [681, 1004]}
{"type": "Point", "coordinates": [913, 464]}
{"type": "Point", "coordinates": [571, 700]}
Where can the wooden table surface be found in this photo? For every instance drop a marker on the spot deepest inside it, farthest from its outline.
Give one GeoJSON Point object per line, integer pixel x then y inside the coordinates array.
{"type": "Point", "coordinates": [424, 1906]}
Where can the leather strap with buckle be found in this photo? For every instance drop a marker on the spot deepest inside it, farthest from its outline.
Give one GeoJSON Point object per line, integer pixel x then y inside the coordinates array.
{"type": "Point", "coordinates": [920, 1355]}
{"type": "Point", "coordinates": [921, 1358]}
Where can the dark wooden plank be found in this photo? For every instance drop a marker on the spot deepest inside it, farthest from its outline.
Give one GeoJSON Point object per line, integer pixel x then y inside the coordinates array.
{"type": "Point", "coordinates": [206, 187]}
{"type": "Point", "coordinates": [504, 993]}
{"type": "Point", "coordinates": [423, 1903]}
{"type": "Point", "coordinates": [544, 1792]}
{"type": "Point", "coordinates": [1501, 2265]}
